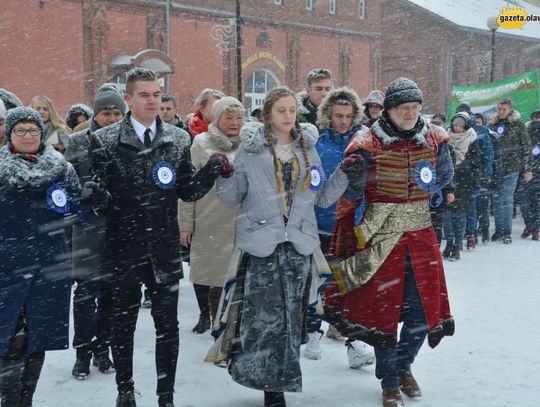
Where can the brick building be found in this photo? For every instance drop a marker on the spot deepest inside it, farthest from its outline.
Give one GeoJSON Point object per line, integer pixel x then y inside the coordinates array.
{"type": "Point", "coordinates": [67, 48]}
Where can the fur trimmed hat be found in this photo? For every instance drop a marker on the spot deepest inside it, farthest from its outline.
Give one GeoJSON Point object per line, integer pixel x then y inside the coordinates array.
{"type": "Point", "coordinates": [348, 97]}
{"type": "Point", "coordinates": [402, 90]}
{"type": "Point", "coordinates": [20, 114]}
{"type": "Point", "coordinates": [221, 104]}
{"type": "Point", "coordinates": [109, 96]}
{"type": "Point", "coordinates": [75, 111]}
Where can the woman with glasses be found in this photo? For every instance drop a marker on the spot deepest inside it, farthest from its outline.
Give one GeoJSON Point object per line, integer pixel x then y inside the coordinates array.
{"type": "Point", "coordinates": [37, 197]}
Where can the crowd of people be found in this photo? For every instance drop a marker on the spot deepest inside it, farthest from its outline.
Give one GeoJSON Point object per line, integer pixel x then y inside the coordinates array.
{"type": "Point", "coordinates": [317, 207]}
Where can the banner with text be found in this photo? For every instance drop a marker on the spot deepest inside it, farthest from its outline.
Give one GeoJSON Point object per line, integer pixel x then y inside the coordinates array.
{"type": "Point", "coordinates": [523, 89]}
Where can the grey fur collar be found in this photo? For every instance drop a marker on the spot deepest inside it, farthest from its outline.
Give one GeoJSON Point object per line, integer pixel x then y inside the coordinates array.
{"type": "Point", "coordinates": [220, 140]}
{"type": "Point", "coordinates": [254, 141]}
{"type": "Point", "coordinates": [418, 139]}
{"type": "Point", "coordinates": [18, 174]}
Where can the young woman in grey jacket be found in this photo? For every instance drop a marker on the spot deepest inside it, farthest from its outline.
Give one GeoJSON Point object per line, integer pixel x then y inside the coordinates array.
{"type": "Point", "coordinates": [277, 182]}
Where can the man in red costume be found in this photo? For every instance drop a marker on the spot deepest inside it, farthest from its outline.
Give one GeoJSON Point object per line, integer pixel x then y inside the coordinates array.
{"type": "Point", "coordinates": [390, 267]}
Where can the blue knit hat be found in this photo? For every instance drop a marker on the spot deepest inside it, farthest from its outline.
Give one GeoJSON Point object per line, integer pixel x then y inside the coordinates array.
{"type": "Point", "coordinates": [20, 114]}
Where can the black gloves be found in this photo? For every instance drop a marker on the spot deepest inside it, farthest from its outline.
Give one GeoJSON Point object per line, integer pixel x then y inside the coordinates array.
{"type": "Point", "coordinates": [95, 194]}
{"type": "Point", "coordinates": [353, 167]}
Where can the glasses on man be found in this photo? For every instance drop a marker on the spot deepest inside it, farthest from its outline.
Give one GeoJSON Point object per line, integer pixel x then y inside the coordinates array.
{"type": "Point", "coordinates": [22, 132]}
{"type": "Point", "coordinates": [407, 109]}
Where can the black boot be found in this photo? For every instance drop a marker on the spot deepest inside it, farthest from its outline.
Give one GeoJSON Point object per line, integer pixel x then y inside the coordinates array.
{"type": "Point", "coordinates": [447, 249]}
{"type": "Point", "coordinates": [103, 363]}
{"type": "Point", "coordinates": [81, 369]}
{"type": "Point", "coordinates": [126, 399]}
{"type": "Point", "coordinates": [11, 375]}
{"type": "Point", "coordinates": [454, 256]}
{"type": "Point", "coordinates": [203, 325]}
{"type": "Point", "coordinates": [165, 400]}
{"type": "Point", "coordinates": [33, 365]}
{"type": "Point", "coordinates": [274, 399]}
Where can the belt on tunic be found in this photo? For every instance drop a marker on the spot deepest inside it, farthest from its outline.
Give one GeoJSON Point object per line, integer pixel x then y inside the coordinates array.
{"type": "Point", "coordinates": [381, 228]}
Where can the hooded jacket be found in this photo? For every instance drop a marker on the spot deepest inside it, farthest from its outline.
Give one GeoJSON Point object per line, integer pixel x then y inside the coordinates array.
{"type": "Point", "coordinates": [331, 145]}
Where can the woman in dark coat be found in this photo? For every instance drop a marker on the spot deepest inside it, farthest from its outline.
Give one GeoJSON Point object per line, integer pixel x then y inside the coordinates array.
{"type": "Point", "coordinates": [37, 191]}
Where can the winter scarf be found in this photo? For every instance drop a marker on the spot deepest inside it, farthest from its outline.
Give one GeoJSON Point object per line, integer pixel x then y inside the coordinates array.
{"type": "Point", "coordinates": [221, 141]}
{"type": "Point", "coordinates": [197, 125]}
{"type": "Point", "coordinates": [390, 134]}
{"type": "Point", "coordinates": [20, 173]}
{"type": "Point", "coordinates": [461, 142]}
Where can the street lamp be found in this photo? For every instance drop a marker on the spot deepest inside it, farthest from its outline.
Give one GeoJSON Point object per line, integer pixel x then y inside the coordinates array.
{"type": "Point", "coordinates": [493, 25]}
{"type": "Point", "coordinates": [238, 52]}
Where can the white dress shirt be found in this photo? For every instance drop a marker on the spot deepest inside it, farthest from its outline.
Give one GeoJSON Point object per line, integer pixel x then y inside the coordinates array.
{"type": "Point", "coordinates": [140, 129]}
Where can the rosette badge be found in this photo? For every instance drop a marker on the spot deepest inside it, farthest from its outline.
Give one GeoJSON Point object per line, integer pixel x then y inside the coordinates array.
{"type": "Point", "coordinates": [317, 178]}
{"type": "Point", "coordinates": [426, 177]}
{"type": "Point", "coordinates": [57, 198]}
{"type": "Point", "coordinates": [164, 175]}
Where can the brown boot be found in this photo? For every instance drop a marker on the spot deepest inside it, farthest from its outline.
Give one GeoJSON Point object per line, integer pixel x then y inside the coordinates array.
{"type": "Point", "coordinates": [409, 386]}
{"type": "Point", "coordinates": [392, 398]}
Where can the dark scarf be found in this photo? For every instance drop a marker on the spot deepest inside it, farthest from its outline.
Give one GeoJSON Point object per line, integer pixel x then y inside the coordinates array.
{"type": "Point", "coordinates": [390, 129]}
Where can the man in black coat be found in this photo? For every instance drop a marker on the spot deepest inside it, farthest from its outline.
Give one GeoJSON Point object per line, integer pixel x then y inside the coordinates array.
{"type": "Point", "coordinates": [141, 167]}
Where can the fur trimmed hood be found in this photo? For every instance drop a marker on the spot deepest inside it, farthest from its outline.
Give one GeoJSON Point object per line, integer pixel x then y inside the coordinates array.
{"type": "Point", "coordinates": [254, 141]}
{"type": "Point", "coordinates": [515, 116]}
{"type": "Point", "coordinates": [344, 93]}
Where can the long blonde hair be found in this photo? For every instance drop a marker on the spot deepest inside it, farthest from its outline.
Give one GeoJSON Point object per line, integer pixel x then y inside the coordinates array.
{"type": "Point", "coordinates": [56, 120]}
{"type": "Point", "coordinates": [272, 97]}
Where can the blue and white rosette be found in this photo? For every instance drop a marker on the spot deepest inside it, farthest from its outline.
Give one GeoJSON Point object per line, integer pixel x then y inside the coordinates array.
{"type": "Point", "coordinates": [536, 151]}
{"type": "Point", "coordinates": [426, 177]}
{"type": "Point", "coordinates": [164, 175]}
{"type": "Point", "coordinates": [500, 129]}
{"type": "Point", "coordinates": [57, 198]}
{"type": "Point", "coordinates": [317, 177]}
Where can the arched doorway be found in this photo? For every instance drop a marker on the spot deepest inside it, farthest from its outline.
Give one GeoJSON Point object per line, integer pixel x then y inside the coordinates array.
{"type": "Point", "coordinates": [258, 83]}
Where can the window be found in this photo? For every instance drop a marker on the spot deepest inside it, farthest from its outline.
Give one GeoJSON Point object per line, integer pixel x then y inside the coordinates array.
{"type": "Point", "coordinates": [332, 7]}
{"type": "Point", "coordinates": [309, 5]}
{"type": "Point", "coordinates": [361, 9]}
{"type": "Point", "coordinates": [278, 2]}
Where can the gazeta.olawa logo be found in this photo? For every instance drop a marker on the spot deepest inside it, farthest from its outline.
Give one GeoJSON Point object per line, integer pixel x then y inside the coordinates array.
{"type": "Point", "coordinates": [515, 17]}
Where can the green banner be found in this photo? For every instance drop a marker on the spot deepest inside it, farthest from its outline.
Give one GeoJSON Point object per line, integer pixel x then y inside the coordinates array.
{"type": "Point", "coordinates": [523, 89]}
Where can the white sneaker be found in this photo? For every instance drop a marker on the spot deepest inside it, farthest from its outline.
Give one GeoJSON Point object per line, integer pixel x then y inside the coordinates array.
{"type": "Point", "coordinates": [313, 347]}
{"type": "Point", "coordinates": [359, 355]}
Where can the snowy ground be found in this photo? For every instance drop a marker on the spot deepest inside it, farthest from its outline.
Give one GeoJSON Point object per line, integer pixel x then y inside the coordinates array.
{"type": "Point", "coordinates": [491, 361]}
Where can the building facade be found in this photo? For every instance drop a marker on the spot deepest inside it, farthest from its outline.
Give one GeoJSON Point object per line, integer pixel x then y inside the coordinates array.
{"type": "Point", "coordinates": [66, 48]}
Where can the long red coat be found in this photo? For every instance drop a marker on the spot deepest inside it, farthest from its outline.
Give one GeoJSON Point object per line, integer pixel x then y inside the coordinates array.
{"type": "Point", "coordinates": [371, 312]}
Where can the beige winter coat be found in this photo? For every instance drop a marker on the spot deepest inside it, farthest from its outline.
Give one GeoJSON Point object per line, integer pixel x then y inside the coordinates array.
{"type": "Point", "coordinates": [212, 224]}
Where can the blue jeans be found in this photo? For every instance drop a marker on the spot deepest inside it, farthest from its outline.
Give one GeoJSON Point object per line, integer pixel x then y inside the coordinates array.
{"type": "Point", "coordinates": [413, 332]}
{"type": "Point", "coordinates": [503, 202]}
{"type": "Point", "coordinates": [454, 225]}
{"type": "Point", "coordinates": [470, 227]}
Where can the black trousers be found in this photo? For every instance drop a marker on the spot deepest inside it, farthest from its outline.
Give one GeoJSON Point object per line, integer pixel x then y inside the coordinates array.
{"type": "Point", "coordinates": [92, 308]}
{"type": "Point", "coordinates": [126, 298]}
